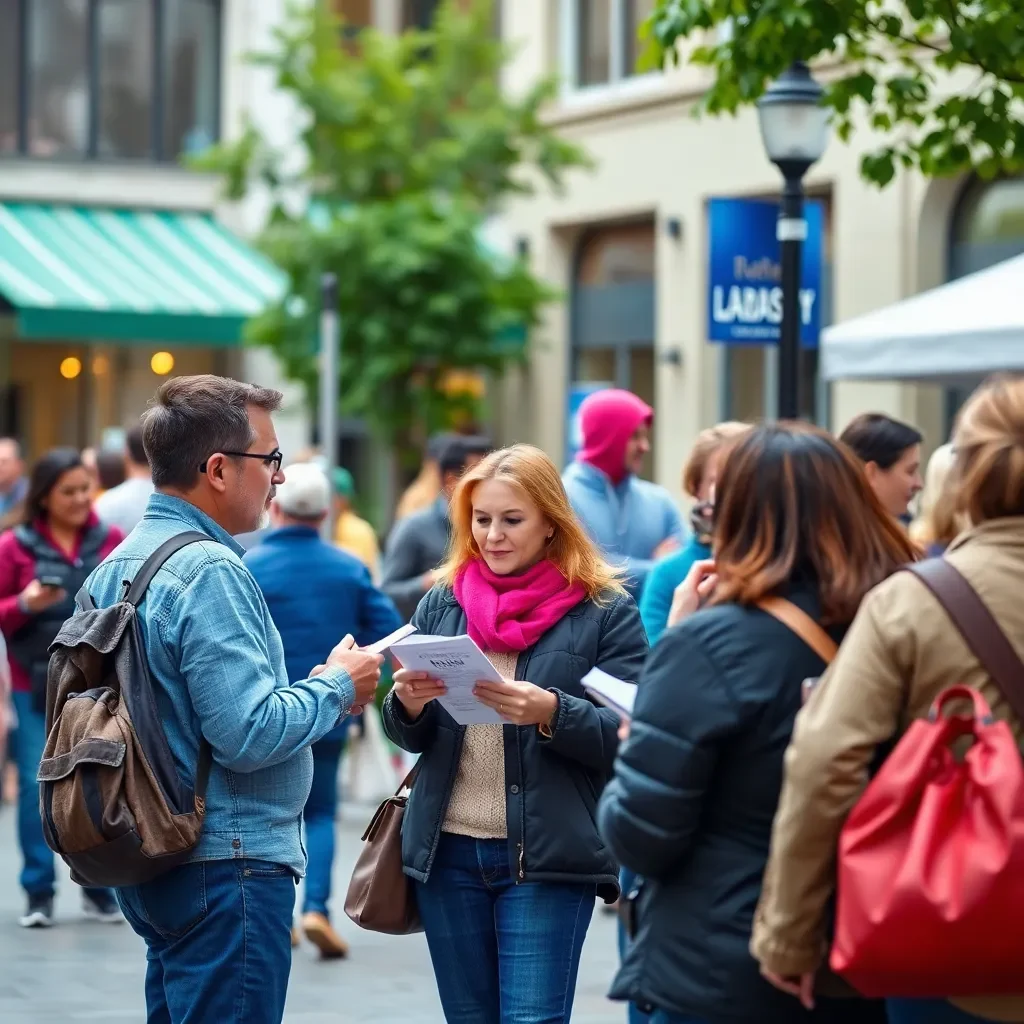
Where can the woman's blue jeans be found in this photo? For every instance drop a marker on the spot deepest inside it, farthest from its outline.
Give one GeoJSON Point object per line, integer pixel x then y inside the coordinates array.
{"type": "Point", "coordinates": [38, 877]}
{"type": "Point", "coordinates": [502, 953]}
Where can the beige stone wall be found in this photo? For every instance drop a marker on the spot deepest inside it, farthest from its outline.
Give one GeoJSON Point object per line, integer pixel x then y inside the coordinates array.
{"type": "Point", "coordinates": [655, 159]}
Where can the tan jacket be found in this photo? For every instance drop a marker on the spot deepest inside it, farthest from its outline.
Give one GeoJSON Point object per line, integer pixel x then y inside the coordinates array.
{"type": "Point", "coordinates": [899, 654]}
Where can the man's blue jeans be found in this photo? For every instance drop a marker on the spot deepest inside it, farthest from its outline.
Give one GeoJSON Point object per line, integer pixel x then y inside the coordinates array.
{"type": "Point", "coordinates": [318, 814]}
{"type": "Point", "coordinates": [37, 872]}
{"type": "Point", "coordinates": [218, 937]}
{"type": "Point", "coordinates": [502, 953]}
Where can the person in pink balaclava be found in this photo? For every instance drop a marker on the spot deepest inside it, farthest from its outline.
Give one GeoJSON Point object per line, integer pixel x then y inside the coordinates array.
{"type": "Point", "coordinates": [635, 522]}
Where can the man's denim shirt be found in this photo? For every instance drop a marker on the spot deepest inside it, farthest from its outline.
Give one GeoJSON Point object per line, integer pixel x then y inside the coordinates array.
{"type": "Point", "coordinates": [217, 665]}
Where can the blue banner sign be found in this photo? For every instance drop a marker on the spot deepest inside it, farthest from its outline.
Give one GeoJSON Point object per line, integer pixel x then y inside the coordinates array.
{"type": "Point", "coordinates": [745, 275]}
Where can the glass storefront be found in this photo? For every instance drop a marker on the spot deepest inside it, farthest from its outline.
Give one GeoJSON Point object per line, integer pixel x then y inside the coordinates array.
{"type": "Point", "coordinates": [60, 393]}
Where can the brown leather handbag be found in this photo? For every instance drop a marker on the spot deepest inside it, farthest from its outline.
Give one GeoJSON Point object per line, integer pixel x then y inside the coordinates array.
{"type": "Point", "coordinates": [381, 897]}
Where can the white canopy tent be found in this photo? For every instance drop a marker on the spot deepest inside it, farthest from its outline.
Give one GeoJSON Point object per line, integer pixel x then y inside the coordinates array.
{"type": "Point", "coordinates": [965, 329]}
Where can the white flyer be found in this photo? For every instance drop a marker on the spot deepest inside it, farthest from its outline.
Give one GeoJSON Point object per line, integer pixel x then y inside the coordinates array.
{"type": "Point", "coordinates": [459, 664]}
{"type": "Point", "coordinates": [383, 645]}
{"type": "Point", "coordinates": [613, 693]}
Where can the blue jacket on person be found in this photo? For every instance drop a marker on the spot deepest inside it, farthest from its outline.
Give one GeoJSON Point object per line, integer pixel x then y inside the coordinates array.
{"type": "Point", "coordinates": [627, 521]}
{"type": "Point", "coordinates": [218, 670]}
{"type": "Point", "coordinates": [316, 594]}
{"type": "Point", "coordinates": [662, 582]}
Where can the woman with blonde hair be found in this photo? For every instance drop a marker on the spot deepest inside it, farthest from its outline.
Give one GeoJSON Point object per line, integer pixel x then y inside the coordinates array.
{"type": "Point", "coordinates": [500, 832]}
{"type": "Point", "coordinates": [901, 652]}
{"type": "Point", "coordinates": [937, 523]}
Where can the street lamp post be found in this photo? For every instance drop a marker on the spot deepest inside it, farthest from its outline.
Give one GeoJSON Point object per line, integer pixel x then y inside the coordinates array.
{"type": "Point", "coordinates": [794, 129]}
{"type": "Point", "coordinates": [330, 355]}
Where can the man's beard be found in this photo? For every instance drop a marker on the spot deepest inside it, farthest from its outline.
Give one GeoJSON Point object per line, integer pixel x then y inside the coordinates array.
{"type": "Point", "coordinates": [264, 519]}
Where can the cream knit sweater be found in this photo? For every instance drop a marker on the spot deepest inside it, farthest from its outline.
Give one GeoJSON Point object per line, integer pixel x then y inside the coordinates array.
{"type": "Point", "coordinates": [477, 805]}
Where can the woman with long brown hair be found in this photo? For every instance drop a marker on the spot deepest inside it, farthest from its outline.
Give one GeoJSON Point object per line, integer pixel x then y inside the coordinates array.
{"type": "Point", "coordinates": [697, 781]}
{"type": "Point", "coordinates": [500, 831]}
{"type": "Point", "coordinates": [901, 653]}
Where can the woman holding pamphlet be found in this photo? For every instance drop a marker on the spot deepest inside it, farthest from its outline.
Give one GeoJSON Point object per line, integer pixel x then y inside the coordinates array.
{"type": "Point", "coordinates": [500, 831]}
{"type": "Point", "coordinates": [697, 781]}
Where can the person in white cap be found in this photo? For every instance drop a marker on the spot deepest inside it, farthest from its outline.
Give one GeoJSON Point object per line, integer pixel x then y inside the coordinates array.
{"type": "Point", "coordinates": [313, 591]}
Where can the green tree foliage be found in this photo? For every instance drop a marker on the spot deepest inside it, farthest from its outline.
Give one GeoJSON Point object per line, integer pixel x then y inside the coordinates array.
{"type": "Point", "coordinates": [892, 63]}
{"type": "Point", "coordinates": [408, 145]}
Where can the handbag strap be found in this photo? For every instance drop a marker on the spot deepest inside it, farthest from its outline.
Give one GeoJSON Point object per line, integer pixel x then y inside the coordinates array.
{"type": "Point", "coordinates": [977, 626]}
{"type": "Point", "coordinates": [799, 622]}
{"type": "Point", "coordinates": [409, 779]}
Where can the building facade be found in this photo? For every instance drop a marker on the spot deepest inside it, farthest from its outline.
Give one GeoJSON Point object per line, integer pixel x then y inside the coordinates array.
{"type": "Point", "coordinates": [627, 244]}
{"type": "Point", "coordinates": [118, 266]}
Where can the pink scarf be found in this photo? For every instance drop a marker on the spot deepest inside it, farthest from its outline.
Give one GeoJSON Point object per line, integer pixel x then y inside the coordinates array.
{"type": "Point", "coordinates": [508, 614]}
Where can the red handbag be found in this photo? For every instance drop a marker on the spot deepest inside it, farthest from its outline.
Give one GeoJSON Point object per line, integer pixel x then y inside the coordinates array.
{"type": "Point", "coordinates": [931, 860]}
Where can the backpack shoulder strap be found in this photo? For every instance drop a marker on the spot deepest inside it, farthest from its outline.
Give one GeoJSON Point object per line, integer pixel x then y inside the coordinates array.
{"type": "Point", "coordinates": [135, 594]}
{"type": "Point", "coordinates": [799, 622]}
{"type": "Point", "coordinates": [152, 565]}
{"type": "Point", "coordinates": [977, 626]}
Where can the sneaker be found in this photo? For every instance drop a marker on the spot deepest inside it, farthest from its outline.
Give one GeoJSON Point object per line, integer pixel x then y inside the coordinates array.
{"type": "Point", "coordinates": [319, 931]}
{"type": "Point", "coordinates": [39, 913]}
{"type": "Point", "coordinates": [101, 906]}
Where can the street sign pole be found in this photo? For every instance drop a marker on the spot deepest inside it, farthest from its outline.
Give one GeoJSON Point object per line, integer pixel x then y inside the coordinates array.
{"type": "Point", "coordinates": [330, 355]}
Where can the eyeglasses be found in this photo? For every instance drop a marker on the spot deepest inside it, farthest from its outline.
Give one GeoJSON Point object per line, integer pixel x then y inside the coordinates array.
{"type": "Point", "coordinates": [273, 459]}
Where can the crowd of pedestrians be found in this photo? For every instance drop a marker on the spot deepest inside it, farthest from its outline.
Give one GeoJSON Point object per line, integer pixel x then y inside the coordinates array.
{"type": "Point", "coordinates": [779, 649]}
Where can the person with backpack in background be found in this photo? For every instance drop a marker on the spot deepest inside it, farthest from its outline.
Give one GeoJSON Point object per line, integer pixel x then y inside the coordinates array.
{"type": "Point", "coordinates": [632, 521]}
{"type": "Point", "coordinates": [43, 562]}
{"type": "Point", "coordinates": [901, 652]}
{"type": "Point", "coordinates": [218, 926]}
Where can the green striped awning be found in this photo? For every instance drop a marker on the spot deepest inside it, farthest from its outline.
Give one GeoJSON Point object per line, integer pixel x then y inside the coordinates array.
{"type": "Point", "coordinates": [129, 275]}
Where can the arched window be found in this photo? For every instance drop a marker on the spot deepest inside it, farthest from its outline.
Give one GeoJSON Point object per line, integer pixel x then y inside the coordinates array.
{"type": "Point", "coordinates": [988, 225]}
{"type": "Point", "coordinates": [613, 309]}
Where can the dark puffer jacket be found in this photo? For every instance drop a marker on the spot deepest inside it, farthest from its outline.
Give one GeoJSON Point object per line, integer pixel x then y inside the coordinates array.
{"type": "Point", "coordinates": [690, 809]}
{"type": "Point", "coordinates": [551, 786]}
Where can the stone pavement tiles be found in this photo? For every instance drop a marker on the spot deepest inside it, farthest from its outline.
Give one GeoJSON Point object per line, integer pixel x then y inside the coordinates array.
{"type": "Point", "coordinates": [84, 971]}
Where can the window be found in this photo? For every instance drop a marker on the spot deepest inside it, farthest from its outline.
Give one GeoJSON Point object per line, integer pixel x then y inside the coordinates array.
{"type": "Point", "coordinates": [109, 79]}
{"type": "Point", "coordinates": [125, 85]}
{"type": "Point", "coordinates": [10, 37]}
{"type": "Point", "coordinates": [58, 77]}
{"type": "Point", "coordinates": [191, 68]}
{"type": "Point", "coordinates": [418, 13]}
{"type": "Point", "coordinates": [637, 12]}
{"type": "Point", "coordinates": [594, 61]}
{"type": "Point", "coordinates": [601, 41]}
{"type": "Point", "coordinates": [613, 310]}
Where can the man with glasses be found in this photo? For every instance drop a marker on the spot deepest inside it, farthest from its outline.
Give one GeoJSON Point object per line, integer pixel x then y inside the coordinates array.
{"type": "Point", "coordinates": [218, 928]}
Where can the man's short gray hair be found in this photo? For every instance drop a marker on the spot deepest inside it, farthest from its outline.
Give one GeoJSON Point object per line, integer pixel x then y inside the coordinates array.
{"type": "Point", "coordinates": [192, 418]}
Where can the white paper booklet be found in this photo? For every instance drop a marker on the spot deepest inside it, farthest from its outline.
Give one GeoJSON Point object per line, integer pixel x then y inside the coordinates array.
{"type": "Point", "coordinates": [459, 664]}
{"type": "Point", "coordinates": [613, 693]}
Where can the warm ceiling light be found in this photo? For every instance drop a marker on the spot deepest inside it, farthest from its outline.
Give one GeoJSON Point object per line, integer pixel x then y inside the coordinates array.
{"type": "Point", "coordinates": [162, 363]}
{"type": "Point", "coordinates": [70, 368]}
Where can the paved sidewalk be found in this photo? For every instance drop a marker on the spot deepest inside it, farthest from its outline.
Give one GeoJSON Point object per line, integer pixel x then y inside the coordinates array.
{"type": "Point", "coordinates": [82, 971]}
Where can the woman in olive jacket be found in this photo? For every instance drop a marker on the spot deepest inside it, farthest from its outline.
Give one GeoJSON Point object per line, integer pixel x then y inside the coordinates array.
{"type": "Point", "coordinates": [697, 782]}
{"type": "Point", "coordinates": [500, 831]}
